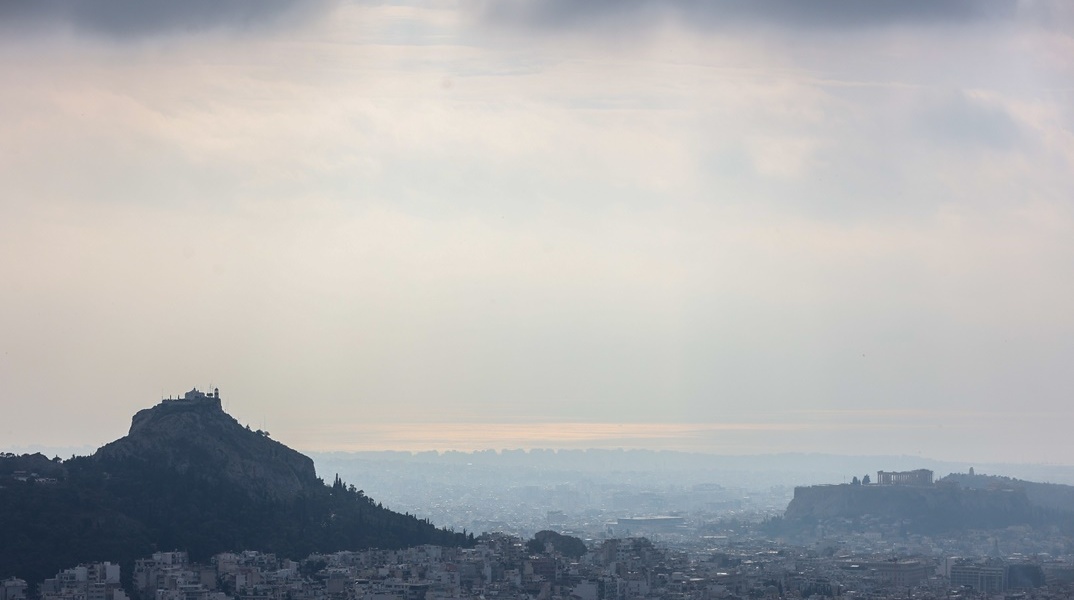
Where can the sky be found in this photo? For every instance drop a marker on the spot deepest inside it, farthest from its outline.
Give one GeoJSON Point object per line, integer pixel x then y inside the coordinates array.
{"type": "Point", "coordinates": [776, 226]}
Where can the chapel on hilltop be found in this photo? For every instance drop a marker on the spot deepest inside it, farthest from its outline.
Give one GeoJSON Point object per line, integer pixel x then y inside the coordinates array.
{"type": "Point", "coordinates": [196, 396]}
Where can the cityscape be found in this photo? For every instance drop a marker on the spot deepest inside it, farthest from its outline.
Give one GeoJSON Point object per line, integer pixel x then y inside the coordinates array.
{"type": "Point", "coordinates": [617, 535]}
{"type": "Point", "coordinates": [536, 299]}
{"type": "Point", "coordinates": [628, 568]}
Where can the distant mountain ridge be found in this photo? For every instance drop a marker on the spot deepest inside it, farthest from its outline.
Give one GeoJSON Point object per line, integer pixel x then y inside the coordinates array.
{"type": "Point", "coordinates": [187, 476]}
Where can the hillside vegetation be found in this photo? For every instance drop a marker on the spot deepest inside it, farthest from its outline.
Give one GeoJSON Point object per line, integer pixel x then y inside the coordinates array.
{"type": "Point", "coordinates": [187, 476]}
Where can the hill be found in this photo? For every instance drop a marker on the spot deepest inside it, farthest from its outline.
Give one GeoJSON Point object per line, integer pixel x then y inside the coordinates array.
{"type": "Point", "coordinates": [955, 502]}
{"type": "Point", "coordinates": [923, 509]}
{"type": "Point", "coordinates": [195, 436]}
{"type": "Point", "coordinates": [1053, 496]}
{"type": "Point", "coordinates": [186, 476]}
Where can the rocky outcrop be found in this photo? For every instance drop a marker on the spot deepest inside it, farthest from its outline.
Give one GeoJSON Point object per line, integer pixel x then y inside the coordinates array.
{"type": "Point", "coordinates": [921, 508]}
{"type": "Point", "coordinates": [1048, 496]}
{"type": "Point", "coordinates": [188, 476]}
{"type": "Point", "coordinates": [195, 436]}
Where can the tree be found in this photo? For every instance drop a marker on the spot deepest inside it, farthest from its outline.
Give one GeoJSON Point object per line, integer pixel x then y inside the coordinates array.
{"type": "Point", "coordinates": [865, 480]}
{"type": "Point", "coordinates": [855, 481]}
{"type": "Point", "coordinates": [566, 545]}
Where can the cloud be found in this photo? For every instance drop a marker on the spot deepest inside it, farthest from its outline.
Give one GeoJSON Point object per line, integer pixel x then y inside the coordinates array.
{"type": "Point", "coordinates": [815, 14]}
{"type": "Point", "coordinates": [573, 230]}
{"type": "Point", "coordinates": [138, 18]}
{"type": "Point", "coordinates": [964, 119]}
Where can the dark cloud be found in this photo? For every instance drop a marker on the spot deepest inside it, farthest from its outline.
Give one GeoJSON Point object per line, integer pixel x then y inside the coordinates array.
{"type": "Point", "coordinates": [795, 13]}
{"type": "Point", "coordinates": [136, 18]}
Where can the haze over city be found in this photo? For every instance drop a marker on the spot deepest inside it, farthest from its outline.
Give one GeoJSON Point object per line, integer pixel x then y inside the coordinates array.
{"type": "Point", "coordinates": [835, 226]}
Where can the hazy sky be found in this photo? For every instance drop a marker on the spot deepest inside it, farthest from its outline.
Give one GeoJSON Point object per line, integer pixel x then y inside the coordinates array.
{"type": "Point", "coordinates": [766, 226]}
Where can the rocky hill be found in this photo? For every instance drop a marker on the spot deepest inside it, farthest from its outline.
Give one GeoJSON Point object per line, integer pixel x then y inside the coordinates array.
{"type": "Point", "coordinates": [1053, 496]}
{"type": "Point", "coordinates": [931, 509]}
{"type": "Point", "coordinates": [186, 476]}
{"type": "Point", "coordinates": [194, 435]}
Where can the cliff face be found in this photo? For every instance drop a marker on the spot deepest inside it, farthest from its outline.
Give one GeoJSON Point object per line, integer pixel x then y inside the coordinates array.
{"type": "Point", "coordinates": [924, 508]}
{"type": "Point", "coordinates": [1048, 496]}
{"type": "Point", "coordinates": [196, 437]}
